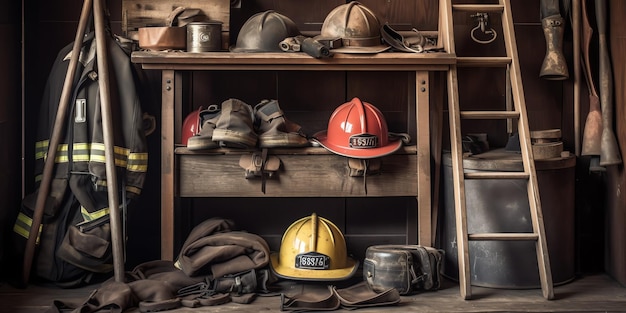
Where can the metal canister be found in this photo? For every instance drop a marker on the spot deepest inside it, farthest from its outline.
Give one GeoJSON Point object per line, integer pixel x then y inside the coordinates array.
{"type": "Point", "coordinates": [502, 206]}
{"type": "Point", "coordinates": [204, 36]}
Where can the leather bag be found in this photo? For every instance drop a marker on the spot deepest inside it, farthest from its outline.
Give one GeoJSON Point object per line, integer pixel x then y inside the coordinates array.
{"type": "Point", "coordinates": [407, 268]}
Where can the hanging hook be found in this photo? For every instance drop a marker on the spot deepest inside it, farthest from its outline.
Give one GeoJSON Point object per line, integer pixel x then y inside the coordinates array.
{"type": "Point", "coordinates": [483, 25]}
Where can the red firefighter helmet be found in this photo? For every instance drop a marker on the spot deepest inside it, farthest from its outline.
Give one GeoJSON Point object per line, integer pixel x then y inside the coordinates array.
{"type": "Point", "coordinates": [191, 126]}
{"type": "Point", "coordinates": [357, 129]}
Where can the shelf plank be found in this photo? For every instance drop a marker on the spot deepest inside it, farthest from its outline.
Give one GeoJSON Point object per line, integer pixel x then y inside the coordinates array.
{"type": "Point", "coordinates": [388, 61]}
{"type": "Point", "coordinates": [314, 175]}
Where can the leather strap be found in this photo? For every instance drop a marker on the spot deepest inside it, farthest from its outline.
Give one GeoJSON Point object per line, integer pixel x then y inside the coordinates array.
{"type": "Point", "coordinates": [206, 300]}
{"type": "Point", "coordinates": [260, 164]}
{"type": "Point", "coordinates": [362, 295]}
{"type": "Point", "coordinates": [311, 298]}
{"type": "Point", "coordinates": [169, 21]}
{"type": "Point", "coordinates": [318, 298]}
{"type": "Point", "coordinates": [158, 306]}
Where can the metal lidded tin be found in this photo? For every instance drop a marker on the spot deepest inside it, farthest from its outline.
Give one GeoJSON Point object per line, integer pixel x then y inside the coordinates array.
{"type": "Point", "coordinates": [204, 36]}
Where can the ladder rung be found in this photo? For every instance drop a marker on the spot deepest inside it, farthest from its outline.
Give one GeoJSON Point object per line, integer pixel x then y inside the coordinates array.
{"type": "Point", "coordinates": [497, 175]}
{"type": "Point", "coordinates": [483, 61]}
{"type": "Point", "coordinates": [476, 115]}
{"type": "Point", "coordinates": [504, 236]}
{"type": "Point", "coordinates": [478, 7]}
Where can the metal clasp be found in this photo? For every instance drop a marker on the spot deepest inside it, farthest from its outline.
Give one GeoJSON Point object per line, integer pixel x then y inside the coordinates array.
{"type": "Point", "coordinates": [483, 24]}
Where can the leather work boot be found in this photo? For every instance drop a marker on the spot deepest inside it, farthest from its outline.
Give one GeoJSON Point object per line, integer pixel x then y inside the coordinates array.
{"type": "Point", "coordinates": [208, 121]}
{"type": "Point", "coordinates": [274, 129]}
{"type": "Point", "coordinates": [234, 127]}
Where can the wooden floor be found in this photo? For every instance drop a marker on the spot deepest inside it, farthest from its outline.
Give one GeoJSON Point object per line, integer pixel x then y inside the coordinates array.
{"type": "Point", "coordinates": [589, 293]}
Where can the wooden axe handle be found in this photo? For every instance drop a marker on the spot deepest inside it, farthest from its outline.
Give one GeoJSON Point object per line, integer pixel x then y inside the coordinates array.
{"type": "Point", "coordinates": [57, 132]}
{"type": "Point", "coordinates": [587, 32]}
{"type": "Point", "coordinates": [108, 137]}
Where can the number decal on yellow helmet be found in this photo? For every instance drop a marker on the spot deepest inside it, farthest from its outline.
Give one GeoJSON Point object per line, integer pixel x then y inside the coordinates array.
{"type": "Point", "coordinates": [312, 261]}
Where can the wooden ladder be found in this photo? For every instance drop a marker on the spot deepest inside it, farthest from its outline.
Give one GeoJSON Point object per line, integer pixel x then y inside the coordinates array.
{"type": "Point", "coordinates": [516, 113]}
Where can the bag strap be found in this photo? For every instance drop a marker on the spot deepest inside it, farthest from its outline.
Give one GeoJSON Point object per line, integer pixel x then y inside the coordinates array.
{"type": "Point", "coordinates": [311, 298]}
{"type": "Point", "coordinates": [361, 295]}
{"type": "Point", "coordinates": [425, 277]}
{"type": "Point", "coordinates": [240, 288]}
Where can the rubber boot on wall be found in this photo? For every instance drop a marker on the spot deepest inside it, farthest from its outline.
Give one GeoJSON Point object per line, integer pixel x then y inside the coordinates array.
{"type": "Point", "coordinates": [554, 65]}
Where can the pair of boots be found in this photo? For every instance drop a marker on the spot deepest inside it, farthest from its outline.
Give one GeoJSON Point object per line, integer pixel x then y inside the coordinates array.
{"type": "Point", "coordinates": [237, 125]}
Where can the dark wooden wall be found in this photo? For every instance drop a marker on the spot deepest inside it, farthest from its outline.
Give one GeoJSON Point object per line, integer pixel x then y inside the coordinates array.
{"type": "Point", "coordinates": [616, 204]}
{"type": "Point", "coordinates": [10, 116]}
{"type": "Point", "coordinates": [50, 25]}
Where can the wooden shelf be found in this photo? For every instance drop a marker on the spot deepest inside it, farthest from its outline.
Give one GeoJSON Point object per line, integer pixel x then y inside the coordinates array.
{"type": "Point", "coordinates": [310, 172]}
{"type": "Point", "coordinates": [388, 61]}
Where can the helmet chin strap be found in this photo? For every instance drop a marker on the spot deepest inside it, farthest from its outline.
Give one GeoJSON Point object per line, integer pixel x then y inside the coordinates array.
{"type": "Point", "coordinates": [364, 168]}
{"type": "Point", "coordinates": [365, 165]}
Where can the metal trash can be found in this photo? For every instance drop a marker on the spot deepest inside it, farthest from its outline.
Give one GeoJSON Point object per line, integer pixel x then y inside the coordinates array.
{"type": "Point", "coordinates": [502, 206]}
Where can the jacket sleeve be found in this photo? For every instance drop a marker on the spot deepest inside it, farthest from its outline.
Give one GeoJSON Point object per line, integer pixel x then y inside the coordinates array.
{"type": "Point", "coordinates": [131, 151]}
{"type": "Point", "coordinates": [123, 87]}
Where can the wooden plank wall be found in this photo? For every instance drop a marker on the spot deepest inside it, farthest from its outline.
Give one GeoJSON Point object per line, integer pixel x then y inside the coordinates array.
{"type": "Point", "coordinates": [616, 214]}
{"type": "Point", "coordinates": [50, 25]}
{"type": "Point", "coordinates": [10, 126]}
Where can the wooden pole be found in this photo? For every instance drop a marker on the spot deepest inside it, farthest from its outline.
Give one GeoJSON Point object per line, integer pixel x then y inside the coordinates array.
{"type": "Point", "coordinates": [107, 132]}
{"type": "Point", "coordinates": [576, 42]}
{"type": "Point", "coordinates": [609, 151]}
{"type": "Point", "coordinates": [593, 123]}
{"type": "Point", "coordinates": [57, 132]}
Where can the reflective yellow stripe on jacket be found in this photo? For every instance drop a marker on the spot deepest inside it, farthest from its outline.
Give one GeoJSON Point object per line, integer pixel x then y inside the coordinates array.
{"type": "Point", "coordinates": [94, 152]}
{"type": "Point", "coordinates": [23, 224]}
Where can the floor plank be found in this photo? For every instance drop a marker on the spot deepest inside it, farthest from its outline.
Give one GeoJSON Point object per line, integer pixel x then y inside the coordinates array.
{"type": "Point", "coordinates": [589, 293]}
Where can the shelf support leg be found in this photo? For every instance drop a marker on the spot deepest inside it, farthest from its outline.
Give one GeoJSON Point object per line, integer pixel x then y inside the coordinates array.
{"type": "Point", "coordinates": [422, 111]}
{"type": "Point", "coordinates": [167, 164]}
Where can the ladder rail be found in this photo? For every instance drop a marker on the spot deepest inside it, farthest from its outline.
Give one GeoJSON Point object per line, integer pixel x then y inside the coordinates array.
{"type": "Point", "coordinates": [511, 61]}
{"type": "Point", "coordinates": [519, 103]}
{"type": "Point", "coordinates": [458, 178]}
{"type": "Point", "coordinates": [456, 153]}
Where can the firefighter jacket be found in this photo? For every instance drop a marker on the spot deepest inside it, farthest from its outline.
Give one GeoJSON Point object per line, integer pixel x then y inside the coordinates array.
{"type": "Point", "coordinates": [75, 238]}
{"type": "Point", "coordinates": [80, 155]}
{"type": "Point", "coordinates": [75, 228]}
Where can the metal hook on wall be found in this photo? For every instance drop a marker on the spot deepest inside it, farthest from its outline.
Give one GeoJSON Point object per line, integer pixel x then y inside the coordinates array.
{"type": "Point", "coordinates": [483, 25]}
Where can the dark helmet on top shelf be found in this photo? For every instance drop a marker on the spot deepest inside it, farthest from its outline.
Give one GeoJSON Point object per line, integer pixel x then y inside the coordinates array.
{"type": "Point", "coordinates": [264, 31]}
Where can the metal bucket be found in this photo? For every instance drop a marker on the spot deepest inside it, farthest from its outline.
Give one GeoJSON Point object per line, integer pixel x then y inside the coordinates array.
{"type": "Point", "coordinates": [502, 206]}
{"type": "Point", "coordinates": [204, 36]}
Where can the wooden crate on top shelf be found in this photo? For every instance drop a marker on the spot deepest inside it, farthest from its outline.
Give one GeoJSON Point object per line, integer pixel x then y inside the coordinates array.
{"type": "Point", "coordinates": [145, 13]}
